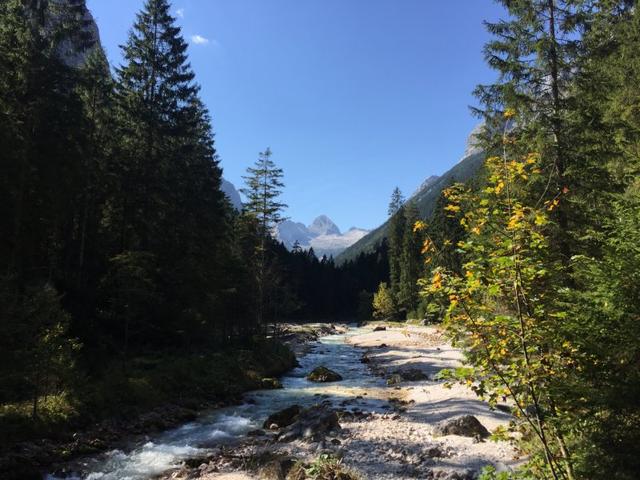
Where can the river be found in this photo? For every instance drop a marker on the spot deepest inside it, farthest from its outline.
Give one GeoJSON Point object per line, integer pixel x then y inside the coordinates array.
{"type": "Point", "coordinates": [162, 452]}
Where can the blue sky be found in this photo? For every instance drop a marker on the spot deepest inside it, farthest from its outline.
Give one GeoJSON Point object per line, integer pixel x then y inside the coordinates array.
{"type": "Point", "coordinates": [354, 97]}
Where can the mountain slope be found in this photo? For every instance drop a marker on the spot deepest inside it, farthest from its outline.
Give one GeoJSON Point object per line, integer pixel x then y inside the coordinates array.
{"type": "Point", "coordinates": [232, 194]}
{"type": "Point", "coordinates": [425, 199]}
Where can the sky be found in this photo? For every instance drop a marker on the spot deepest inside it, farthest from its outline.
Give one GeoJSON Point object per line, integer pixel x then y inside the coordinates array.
{"type": "Point", "coordinates": [354, 97]}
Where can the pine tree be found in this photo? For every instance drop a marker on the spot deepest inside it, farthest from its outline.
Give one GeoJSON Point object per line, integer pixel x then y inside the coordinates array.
{"type": "Point", "coordinates": [95, 89]}
{"type": "Point", "coordinates": [263, 187]}
{"type": "Point", "coordinates": [155, 92]}
{"type": "Point", "coordinates": [41, 115]}
{"type": "Point", "coordinates": [396, 231]}
{"type": "Point", "coordinates": [166, 200]}
{"type": "Point", "coordinates": [411, 261]}
{"type": "Point", "coordinates": [535, 52]}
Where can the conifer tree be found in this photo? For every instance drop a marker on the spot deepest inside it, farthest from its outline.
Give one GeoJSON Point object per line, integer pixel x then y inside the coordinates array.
{"type": "Point", "coordinates": [411, 260]}
{"type": "Point", "coordinates": [155, 92]}
{"type": "Point", "coordinates": [263, 187]}
{"type": "Point", "coordinates": [40, 117]}
{"type": "Point", "coordinates": [397, 222]}
{"type": "Point", "coordinates": [167, 200]}
{"type": "Point", "coordinates": [535, 52]}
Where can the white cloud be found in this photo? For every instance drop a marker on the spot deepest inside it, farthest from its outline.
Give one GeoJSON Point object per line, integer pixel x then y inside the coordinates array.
{"type": "Point", "coordinates": [199, 40]}
{"type": "Point", "coordinates": [180, 13]}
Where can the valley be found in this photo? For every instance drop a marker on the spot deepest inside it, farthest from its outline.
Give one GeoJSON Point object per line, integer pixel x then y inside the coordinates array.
{"type": "Point", "coordinates": [161, 322]}
{"type": "Point", "coordinates": [389, 404]}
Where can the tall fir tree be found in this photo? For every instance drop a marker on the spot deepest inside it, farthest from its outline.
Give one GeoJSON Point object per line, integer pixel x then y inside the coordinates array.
{"type": "Point", "coordinates": [397, 222]}
{"type": "Point", "coordinates": [411, 262]}
{"type": "Point", "coordinates": [167, 201]}
{"type": "Point", "coordinates": [263, 187]}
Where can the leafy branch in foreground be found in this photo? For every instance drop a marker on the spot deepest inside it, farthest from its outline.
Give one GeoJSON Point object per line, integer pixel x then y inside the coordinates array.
{"type": "Point", "coordinates": [502, 309]}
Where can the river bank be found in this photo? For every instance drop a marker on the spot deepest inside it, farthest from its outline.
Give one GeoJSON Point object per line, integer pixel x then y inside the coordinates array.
{"type": "Point", "coordinates": [204, 383]}
{"type": "Point", "coordinates": [391, 423]}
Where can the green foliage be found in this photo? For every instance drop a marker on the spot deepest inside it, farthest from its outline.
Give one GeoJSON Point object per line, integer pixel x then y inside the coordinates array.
{"type": "Point", "coordinates": [264, 211]}
{"type": "Point", "coordinates": [411, 264]}
{"type": "Point", "coordinates": [383, 304]}
{"type": "Point", "coordinates": [325, 467]}
{"type": "Point", "coordinates": [263, 187]}
{"type": "Point", "coordinates": [543, 297]}
{"type": "Point", "coordinates": [365, 306]}
{"type": "Point", "coordinates": [37, 355]}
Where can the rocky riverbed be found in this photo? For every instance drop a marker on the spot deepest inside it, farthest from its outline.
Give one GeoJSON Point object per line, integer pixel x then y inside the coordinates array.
{"type": "Point", "coordinates": [389, 418]}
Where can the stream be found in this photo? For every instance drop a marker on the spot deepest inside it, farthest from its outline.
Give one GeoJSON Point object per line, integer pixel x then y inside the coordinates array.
{"type": "Point", "coordinates": [162, 452]}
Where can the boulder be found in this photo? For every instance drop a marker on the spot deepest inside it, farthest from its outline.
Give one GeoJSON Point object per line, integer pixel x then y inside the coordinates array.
{"type": "Point", "coordinates": [466, 426]}
{"type": "Point", "coordinates": [311, 424]}
{"type": "Point", "coordinates": [270, 383]}
{"type": "Point", "coordinates": [283, 418]}
{"type": "Point", "coordinates": [323, 374]}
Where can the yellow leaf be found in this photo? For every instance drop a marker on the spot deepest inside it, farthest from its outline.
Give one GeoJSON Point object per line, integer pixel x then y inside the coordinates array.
{"type": "Point", "coordinates": [419, 226]}
{"type": "Point", "coordinates": [436, 281]}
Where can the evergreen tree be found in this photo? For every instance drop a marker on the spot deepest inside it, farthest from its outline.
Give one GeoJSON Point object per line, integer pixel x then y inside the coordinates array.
{"type": "Point", "coordinates": [167, 200]}
{"type": "Point", "coordinates": [396, 231]}
{"type": "Point", "coordinates": [411, 261]}
{"type": "Point", "coordinates": [263, 186]}
{"type": "Point", "coordinates": [41, 115]}
{"type": "Point", "coordinates": [535, 52]}
{"type": "Point", "coordinates": [156, 93]}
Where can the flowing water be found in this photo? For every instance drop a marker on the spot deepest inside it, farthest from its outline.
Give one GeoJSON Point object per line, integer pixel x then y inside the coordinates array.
{"type": "Point", "coordinates": [358, 390]}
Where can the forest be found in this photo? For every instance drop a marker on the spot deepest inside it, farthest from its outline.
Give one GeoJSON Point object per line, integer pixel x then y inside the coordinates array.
{"type": "Point", "coordinates": [127, 276]}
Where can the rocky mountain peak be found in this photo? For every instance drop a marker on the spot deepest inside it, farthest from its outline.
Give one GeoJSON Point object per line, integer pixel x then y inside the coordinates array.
{"type": "Point", "coordinates": [473, 146]}
{"type": "Point", "coordinates": [323, 225]}
{"type": "Point", "coordinates": [424, 185]}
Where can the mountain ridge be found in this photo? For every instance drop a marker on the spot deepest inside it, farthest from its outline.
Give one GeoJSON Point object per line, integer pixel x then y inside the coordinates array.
{"type": "Point", "coordinates": [425, 197]}
{"type": "Point", "coordinates": [323, 235]}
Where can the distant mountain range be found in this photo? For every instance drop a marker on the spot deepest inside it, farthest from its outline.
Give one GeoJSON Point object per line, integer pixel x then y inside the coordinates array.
{"type": "Point", "coordinates": [323, 235]}
{"type": "Point", "coordinates": [425, 196]}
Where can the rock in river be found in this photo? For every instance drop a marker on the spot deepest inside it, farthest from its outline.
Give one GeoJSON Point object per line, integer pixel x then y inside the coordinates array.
{"type": "Point", "coordinates": [466, 426]}
{"type": "Point", "coordinates": [270, 383]}
{"type": "Point", "coordinates": [283, 418]}
{"type": "Point", "coordinates": [323, 374]}
{"type": "Point", "coordinates": [311, 424]}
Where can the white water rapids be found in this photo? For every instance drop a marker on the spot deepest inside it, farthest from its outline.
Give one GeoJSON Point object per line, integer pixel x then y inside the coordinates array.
{"type": "Point", "coordinates": [167, 450]}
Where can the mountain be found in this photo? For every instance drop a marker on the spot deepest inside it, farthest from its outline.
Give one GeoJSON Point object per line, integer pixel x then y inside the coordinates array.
{"type": "Point", "coordinates": [323, 235]}
{"type": "Point", "coordinates": [323, 225]}
{"type": "Point", "coordinates": [425, 197]}
{"type": "Point", "coordinates": [73, 51]}
{"type": "Point", "coordinates": [232, 194]}
{"type": "Point", "coordinates": [333, 245]}
{"type": "Point", "coordinates": [289, 232]}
